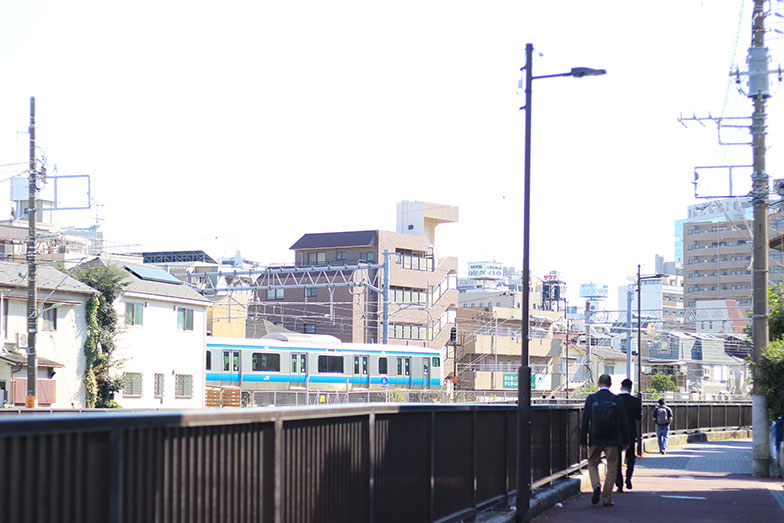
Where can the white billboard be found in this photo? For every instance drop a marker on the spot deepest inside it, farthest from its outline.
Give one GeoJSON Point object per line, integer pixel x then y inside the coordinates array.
{"type": "Point", "coordinates": [593, 290]}
{"type": "Point", "coordinates": [485, 271]}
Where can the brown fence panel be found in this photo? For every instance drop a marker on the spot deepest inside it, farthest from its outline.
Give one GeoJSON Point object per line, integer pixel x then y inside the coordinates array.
{"type": "Point", "coordinates": [402, 456]}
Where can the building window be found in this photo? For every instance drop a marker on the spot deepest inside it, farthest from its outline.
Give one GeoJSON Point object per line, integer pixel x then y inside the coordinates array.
{"type": "Point", "coordinates": [330, 364]}
{"type": "Point", "coordinates": [49, 317]}
{"type": "Point", "coordinates": [134, 314]}
{"type": "Point", "coordinates": [185, 319]}
{"type": "Point", "coordinates": [184, 386]}
{"type": "Point", "coordinates": [275, 294]}
{"type": "Point", "coordinates": [341, 255]}
{"type": "Point", "coordinates": [132, 384]}
{"type": "Point", "coordinates": [310, 292]}
{"type": "Point", "coordinates": [317, 257]}
{"type": "Point", "coordinates": [158, 386]}
{"type": "Point", "coordinates": [382, 365]}
{"type": "Point", "coordinates": [266, 362]}
{"type": "Point", "coordinates": [366, 256]}
{"type": "Point", "coordinates": [309, 328]}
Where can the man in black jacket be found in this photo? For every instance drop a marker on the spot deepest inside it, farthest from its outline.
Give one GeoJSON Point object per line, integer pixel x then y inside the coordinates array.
{"type": "Point", "coordinates": [604, 428]}
{"type": "Point", "coordinates": [633, 407]}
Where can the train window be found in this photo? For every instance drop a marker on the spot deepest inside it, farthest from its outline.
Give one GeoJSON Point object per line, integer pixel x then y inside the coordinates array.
{"type": "Point", "coordinates": [209, 360]}
{"type": "Point", "coordinates": [303, 364]}
{"type": "Point", "coordinates": [399, 366]}
{"type": "Point", "coordinates": [382, 365]}
{"type": "Point", "coordinates": [436, 361]}
{"type": "Point", "coordinates": [293, 363]}
{"type": "Point", "coordinates": [266, 362]}
{"type": "Point", "coordinates": [330, 363]}
{"type": "Point", "coordinates": [236, 361]}
{"type": "Point", "coordinates": [408, 366]}
{"type": "Point", "coordinates": [226, 361]}
{"type": "Point", "coordinates": [364, 365]}
{"type": "Point", "coordinates": [356, 364]}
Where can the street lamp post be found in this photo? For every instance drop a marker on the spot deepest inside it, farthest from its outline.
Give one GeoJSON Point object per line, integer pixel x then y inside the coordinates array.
{"type": "Point", "coordinates": [639, 345]}
{"type": "Point", "coordinates": [524, 373]}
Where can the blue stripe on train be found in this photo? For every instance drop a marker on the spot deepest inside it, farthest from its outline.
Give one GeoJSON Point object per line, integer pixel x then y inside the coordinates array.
{"type": "Point", "coordinates": [286, 378]}
{"type": "Point", "coordinates": [312, 349]}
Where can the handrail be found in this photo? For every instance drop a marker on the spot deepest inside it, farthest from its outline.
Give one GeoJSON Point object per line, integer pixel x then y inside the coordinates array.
{"type": "Point", "coordinates": [257, 464]}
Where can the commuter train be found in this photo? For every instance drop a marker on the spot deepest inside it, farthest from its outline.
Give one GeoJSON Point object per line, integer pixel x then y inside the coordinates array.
{"type": "Point", "coordinates": [317, 362]}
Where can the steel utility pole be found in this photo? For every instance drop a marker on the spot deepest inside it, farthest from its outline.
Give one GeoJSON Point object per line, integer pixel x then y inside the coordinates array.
{"type": "Point", "coordinates": [759, 91]}
{"type": "Point", "coordinates": [32, 316]}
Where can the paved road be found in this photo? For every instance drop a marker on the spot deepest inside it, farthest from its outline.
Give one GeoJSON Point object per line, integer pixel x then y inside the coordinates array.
{"type": "Point", "coordinates": [695, 483]}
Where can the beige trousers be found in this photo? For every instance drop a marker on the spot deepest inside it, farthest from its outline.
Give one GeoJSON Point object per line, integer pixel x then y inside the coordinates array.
{"type": "Point", "coordinates": [594, 457]}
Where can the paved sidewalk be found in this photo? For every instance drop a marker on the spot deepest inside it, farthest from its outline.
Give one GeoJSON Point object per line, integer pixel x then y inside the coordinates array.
{"type": "Point", "coordinates": [694, 483]}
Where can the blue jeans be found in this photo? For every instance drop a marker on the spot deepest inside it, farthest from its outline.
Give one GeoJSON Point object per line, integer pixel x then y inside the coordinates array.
{"type": "Point", "coordinates": [661, 436]}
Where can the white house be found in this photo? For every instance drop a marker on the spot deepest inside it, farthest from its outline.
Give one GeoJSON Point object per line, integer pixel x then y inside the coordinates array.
{"type": "Point", "coordinates": [161, 344]}
{"type": "Point", "coordinates": [62, 331]}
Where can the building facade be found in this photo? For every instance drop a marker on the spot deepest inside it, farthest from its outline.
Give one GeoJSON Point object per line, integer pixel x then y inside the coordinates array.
{"type": "Point", "coordinates": [422, 286]}
{"type": "Point", "coordinates": [62, 331]}
{"type": "Point", "coordinates": [162, 345]}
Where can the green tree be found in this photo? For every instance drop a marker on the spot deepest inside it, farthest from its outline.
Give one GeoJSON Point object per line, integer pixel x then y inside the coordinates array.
{"type": "Point", "coordinates": [776, 318]}
{"type": "Point", "coordinates": [771, 376]}
{"type": "Point", "coordinates": [102, 330]}
{"type": "Point", "coordinates": [663, 383]}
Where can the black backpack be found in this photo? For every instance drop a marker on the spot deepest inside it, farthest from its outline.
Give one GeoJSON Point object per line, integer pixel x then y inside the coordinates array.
{"type": "Point", "coordinates": [604, 420]}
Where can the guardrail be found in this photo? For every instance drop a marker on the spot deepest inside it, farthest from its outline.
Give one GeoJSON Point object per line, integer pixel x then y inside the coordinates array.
{"type": "Point", "coordinates": [373, 463]}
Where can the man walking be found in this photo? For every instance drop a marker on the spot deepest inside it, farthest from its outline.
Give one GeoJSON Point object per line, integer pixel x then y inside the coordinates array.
{"type": "Point", "coordinates": [604, 428]}
{"type": "Point", "coordinates": [662, 417]}
{"type": "Point", "coordinates": [633, 407]}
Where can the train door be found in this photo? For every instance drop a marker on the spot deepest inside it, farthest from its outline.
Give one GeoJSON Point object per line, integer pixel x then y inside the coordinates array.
{"type": "Point", "coordinates": [361, 376]}
{"type": "Point", "coordinates": [426, 372]}
{"type": "Point", "coordinates": [230, 373]}
{"type": "Point", "coordinates": [404, 371]}
{"type": "Point", "coordinates": [299, 369]}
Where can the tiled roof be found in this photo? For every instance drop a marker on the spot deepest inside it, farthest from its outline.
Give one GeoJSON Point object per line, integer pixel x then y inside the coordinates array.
{"type": "Point", "coordinates": [336, 239]}
{"type": "Point", "coordinates": [155, 288]}
{"type": "Point", "coordinates": [17, 358]}
{"type": "Point", "coordinates": [47, 278]}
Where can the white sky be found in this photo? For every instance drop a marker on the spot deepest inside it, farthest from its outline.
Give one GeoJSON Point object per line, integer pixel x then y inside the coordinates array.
{"type": "Point", "coordinates": [243, 125]}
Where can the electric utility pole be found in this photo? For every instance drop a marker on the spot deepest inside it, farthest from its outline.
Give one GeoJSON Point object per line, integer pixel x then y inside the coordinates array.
{"type": "Point", "coordinates": [32, 316]}
{"type": "Point", "coordinates": [759, 91]}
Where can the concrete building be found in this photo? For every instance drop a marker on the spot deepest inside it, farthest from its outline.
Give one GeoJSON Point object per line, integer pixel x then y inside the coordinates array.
{"type": "Point", "coordinates": [490, 346]}
{"type": "Point", "coordinates": [161, 347]}
{"type": "Point", "coordinates": [423, 293]}
{"type": "Point", "coordinates": [228, 315]}
{"type": "Point", "coordinates": [661, 302]}
{"type": "Point", "coordinates": [716, 242]}
{"type": "Point", "coordinates": [62, 332]}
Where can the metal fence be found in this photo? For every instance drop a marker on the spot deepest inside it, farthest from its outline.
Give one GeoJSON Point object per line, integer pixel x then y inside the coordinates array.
{"type": "Point", "coordinates": [360, 463]}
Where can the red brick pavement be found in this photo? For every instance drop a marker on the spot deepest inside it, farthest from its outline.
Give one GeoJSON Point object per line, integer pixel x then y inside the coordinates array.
{"type": "Point", "coordinates": [695, 483]}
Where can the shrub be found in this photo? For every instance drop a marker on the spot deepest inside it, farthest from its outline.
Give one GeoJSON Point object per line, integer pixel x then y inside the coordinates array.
{"type": "Point", "coordinates": [663, 383]}
{"type": "Point", "coordinates": [771, 376]}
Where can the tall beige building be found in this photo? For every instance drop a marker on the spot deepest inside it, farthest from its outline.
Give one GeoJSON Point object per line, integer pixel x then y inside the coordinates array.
{"type": "Point", "coordinates": [717, 255]}
{"type": "Point", "coordinates": [423, 285]}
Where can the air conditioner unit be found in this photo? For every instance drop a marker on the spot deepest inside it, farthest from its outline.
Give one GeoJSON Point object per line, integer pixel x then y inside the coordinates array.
{"type": "Point", "coordinates": [21, 340]}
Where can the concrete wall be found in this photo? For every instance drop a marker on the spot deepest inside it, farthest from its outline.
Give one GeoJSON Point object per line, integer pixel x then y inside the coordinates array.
{"type": "Point", "coordinates": [159, 347]}
{"type": "Point", "coordinates": [63, 345]}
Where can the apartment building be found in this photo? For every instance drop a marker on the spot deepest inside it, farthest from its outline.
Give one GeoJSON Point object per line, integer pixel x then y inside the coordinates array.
{"type": "Point", "coordinates": [490, 346]}
{"type": "Point", "coordinates": [422, 285]}
{"type": "Point", "coordinates": [717, 252]}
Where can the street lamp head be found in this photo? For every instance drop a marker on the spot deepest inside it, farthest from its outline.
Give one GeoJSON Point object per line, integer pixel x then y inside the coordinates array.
{"type": "Point", "coordinates": [579, 72]}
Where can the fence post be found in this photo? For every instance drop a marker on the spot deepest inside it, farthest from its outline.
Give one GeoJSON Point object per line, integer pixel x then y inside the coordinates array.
{"type": "Point", "coordinates": [432, 465]}
{"type": "Point", "coordinates": [278, 471]}
{"type": "Point", "coordinates": [116, 474]}
{"type": "Point", "coordinates": [371, 464]}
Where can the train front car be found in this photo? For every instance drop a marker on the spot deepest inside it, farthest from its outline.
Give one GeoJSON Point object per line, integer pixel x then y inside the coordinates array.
{"type": "Point", "coordinates": [318, 363]}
